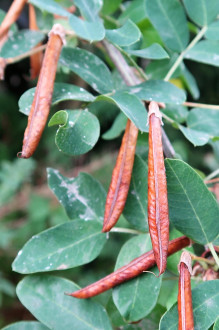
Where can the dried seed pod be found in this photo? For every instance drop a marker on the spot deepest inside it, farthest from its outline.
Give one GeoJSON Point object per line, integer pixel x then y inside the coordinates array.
{"type": "Point", "coordinates": [121, 177]}
{"type": "Point", "coordinates": [125, 273]}
{"type": "Point", "coordinates": [3, 63]}
{"type": "Point", "coordinates": [35, 59]}
{"type": "Point", "coordinates": [185, 310]}
{"type": "Point", "coordinates": [158, 217]}
{"type": "Point", "coordinates": [43, 95]}
{"type": "Point", "coordinates": [11, 16]}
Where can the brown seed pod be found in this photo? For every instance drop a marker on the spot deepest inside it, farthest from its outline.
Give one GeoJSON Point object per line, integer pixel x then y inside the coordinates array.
{"type": "Point", "coordinates": [43, 95]}
{"type": "Point", "coordinates": [158, 216]}
{"type": "Point", "coordinates": [35, 59]}
{"type": "Point", "coordinates": [185, 310]}
{"type": "Point", "coordinates": [125, 273]}
{"type": "Point", "coordinates": [121, 178]}
{"type": "Point", "coordinates": [11, 17]}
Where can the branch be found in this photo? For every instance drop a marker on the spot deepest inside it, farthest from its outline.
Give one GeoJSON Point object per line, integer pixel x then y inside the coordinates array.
{"type": "Point", "coordinates": [181, 56]}
{"type": "Point", "coordinates": [201, 105]}
{"type": "Point", "coordinates": [10, 60]}
{"type": "Point", "coordinates": [131, 79]}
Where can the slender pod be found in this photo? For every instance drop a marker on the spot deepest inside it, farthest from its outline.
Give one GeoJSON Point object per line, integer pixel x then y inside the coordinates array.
{"type": "Point", "coordinates": [35, 59]}
{"type": "Point", "coordinates": [185, 310]}
{"type": "Point", "coordinates": [11, 16]}
{"type": "Point", "coordinates": [43, 95]}
{"type": "Point", "coordinates": [158, 217]}
{"type": "Point", "coordinates": [121, 177]}
{"type": "Point", "coordinates": [125, 273]}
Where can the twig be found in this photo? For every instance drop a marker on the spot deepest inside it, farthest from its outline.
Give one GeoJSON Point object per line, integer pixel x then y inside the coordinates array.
{"type": "Point", "coordinates": [212, 175]}
{"type": "Point", "coordinates": [207, 261]}
{"type": "Point", "coordinates": [201, 105]}
{"type": "Point", "coordinates": [110, 19]}
{"type": "Point", "coordinates": [214, 254]}
{"type": "Point", "coordinates": [181, 56]}
{"type": "Point", "coordinates": [126, 231]}
{"type": "Point", "coordinates": [212, 181]}
{"type": "Point", "coordinates": [167, 146]}
{"type": "Point", "coordinates": [138, 68]}
{"type": "Point", "coordinates": [131, 79]}
{"type": "Point", "coordinates": [18, 58]}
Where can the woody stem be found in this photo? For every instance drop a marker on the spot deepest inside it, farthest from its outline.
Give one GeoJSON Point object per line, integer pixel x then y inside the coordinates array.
{"type": "Point", "coordinates": [131, 79]}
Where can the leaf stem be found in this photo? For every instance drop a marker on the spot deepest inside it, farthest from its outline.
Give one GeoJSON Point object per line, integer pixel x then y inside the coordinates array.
{"type": "Point", "coordinates": [131, 79]}
{"type": "Point", "coordinates": [181, 56]}
{"type": "Point", "coordinates": [216, 180]}
{"type": "Point", "coordinates": [212, 175]}
{"type": "Point", "coordinates": [18, 58]}
{"type": "Point", "coordinates": [110, 19]}
{"type": "Point", "coordinates": [138, 68]}
{"type": "Point", "coordinates": [204, 260]}
{"type": "Point", "coordinates": [214, 254]}
{"type": "Point", "coordinates": [126, 231]}
{"type": "Point", "coordinates": [201, 105]}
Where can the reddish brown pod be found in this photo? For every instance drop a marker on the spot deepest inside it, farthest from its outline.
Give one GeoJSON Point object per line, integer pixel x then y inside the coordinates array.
{"type": "Point", "coordinates": [158, 215]}
{"type": "Point", "coordinates": [185, 310]}
{"type": "Point", "coordinates": [11, 17]}
{"type": "Point", "coordinates": [43, 96]}
{"type": "Point", "coordinates": [121, 177]}
{"type": "Point", "coordinates": [125, 273]}
{"type": "Point", "coordinates": [35, 59]}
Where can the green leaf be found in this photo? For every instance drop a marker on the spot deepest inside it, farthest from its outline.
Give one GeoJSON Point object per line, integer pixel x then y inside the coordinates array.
{"type": "Point", "coordinates": [13, 175]}
{"type": "Point", "coordinates": [158, 90]}
{"type": "Point", "coordinates": [190, 82]}
{"type": "Point", "coordinates": [61, 92]}
{"type": "Point", "coordinates": [212, 32]}
{"type": "Point", "coordinates": [89, 67]}
{"type": "Point", "coordinates": [65, 246]}
{"type": "Point", "coordinates": [136, 11]}
{"type": "Point", "coordinates": [110, 6]}
{"type": "Point", "coordinates": [178, 113]}
{"type": "Point", "coordinates": [202, 12]}
{"type": "Point", "coordinates": [159, 69]}
{"type": "Point", "coordinates": [154, 52]}
{"type": "Point", "coordinates": [135, 210]}
{"type": "Point", "coordinates": [6, 286]}
{"type": "Point", "coordinates": [192, 208]}
{"type": "Point", "coordinates": [149, 34]}
{"type": "Point", "coordinates": [78, 131]}
{"type": "Point", "coordinates": [114, 315]}
{"type": "Point", "coordinates": [136, 298]}
{"type": "Point", "coordinates": [174, 259]}
{"type": "Point", "coordinates": [126, 35]}
{"type": "Point", "coordinates": [202, 125]}
{"type": "Point", "coordinates": [131, 106]}
{"type": "Point", "coordinates": [44, 297]}
{"type": "Point", "coordinates": [205, 301]}
{"type": "Point", "coordinates": [168, 286]}
{"type": "Point", "coordinates": [50, 6]}
{"type": "Point", "coordinates": [216, 325]}
{"type": "Point", "coordinates": [21, 42]}
{"type": "Point", "coordinates": [205, 51]}
{"type": "Point", "coordinates": [195, 137]}
{"type": "Point", "coordinates": [89, 9]}
{"type": "Point", "coordinates": [117, 127]}
{"type": "Point", "coordinates": [169, 18]}
{"type": "Point", "coordinates": [26, 325]}
{"type": "Point", "coordinates": [92, 31]}
{"type": "Point", "coordinates": [82, 197]}
{"type": "Point", "coordinates": [216, 241]}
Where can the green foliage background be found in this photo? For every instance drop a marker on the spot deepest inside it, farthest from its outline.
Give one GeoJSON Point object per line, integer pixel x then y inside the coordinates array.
{"type": "Point", "coordinates": [29, 207]}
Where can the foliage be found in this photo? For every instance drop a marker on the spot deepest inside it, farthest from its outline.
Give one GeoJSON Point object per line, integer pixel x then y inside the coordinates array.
{"type": "Point", "coordinates": [168, 36]}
